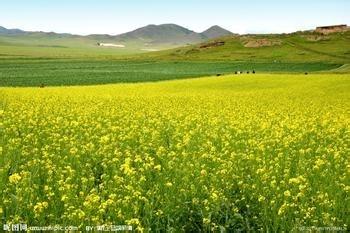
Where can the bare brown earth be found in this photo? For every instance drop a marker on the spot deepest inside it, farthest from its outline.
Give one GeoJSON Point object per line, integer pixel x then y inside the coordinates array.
{"type": "Point", "coordinates": [212, 44]}
{"type": "Point", "coordinates": [332, 29]}
{"type": "Point", "coordinates": [316, 37]}
{"type": "Point", "coordinates": [256, 43]}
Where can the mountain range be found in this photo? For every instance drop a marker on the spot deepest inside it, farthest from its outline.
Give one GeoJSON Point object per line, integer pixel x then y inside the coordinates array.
{"type": "Point", "coordinates": [169, 35]}
{"type": "Point", "coordinates": [172, 33]}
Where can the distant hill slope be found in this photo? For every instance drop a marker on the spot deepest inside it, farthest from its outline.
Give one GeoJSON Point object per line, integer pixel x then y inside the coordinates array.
{"type": "Point", "coordinates": [5, 31]}
{"type": "Point", "coordinates": [172, 34]}
{"type": "Point", "coordinates": [163, 34]}
{"type": "Point", "coordinates": [148, 38]}
{"type": "Point", "coordinates": [216, 32]}
{"type": "Point", "coordinates": [296, 47]}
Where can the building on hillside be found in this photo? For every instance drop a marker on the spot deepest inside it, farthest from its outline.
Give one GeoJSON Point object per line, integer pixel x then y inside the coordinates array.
{"type": "Point", "coordinates": [332, 29]}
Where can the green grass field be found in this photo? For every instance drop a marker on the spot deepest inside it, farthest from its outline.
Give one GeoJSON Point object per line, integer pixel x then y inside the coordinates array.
{"type": "Point", "coordinates": [241, 153]}
{"type": "Point", "coordinates": [57, 72]}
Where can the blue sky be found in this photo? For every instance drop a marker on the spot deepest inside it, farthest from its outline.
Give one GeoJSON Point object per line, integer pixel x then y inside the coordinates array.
{"type": "Point", "coordinates": [118, 16]}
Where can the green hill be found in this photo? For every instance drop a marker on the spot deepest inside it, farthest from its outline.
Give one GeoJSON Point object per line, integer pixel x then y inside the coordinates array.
{"type": "Point", "coordinates": [168, 39]}
{"type": "Point", "coordinates": [163, 34]}
{"type": "Point", "coordinates": [216, 32]}
{"type": "Point", "coordinates": [172, 34]}
{"type": "Point", "coordinates": [295, 47]}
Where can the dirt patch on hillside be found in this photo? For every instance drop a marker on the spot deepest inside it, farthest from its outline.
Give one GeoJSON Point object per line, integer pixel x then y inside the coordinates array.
{"type": "Point", "coordinates": [257, 43]}
{"type": "Point", "coordinates": [316, 38]}
{"type": "Point", "coordinates": [212, 44]}
{"type": "Point", "coordinates": [332, 29]}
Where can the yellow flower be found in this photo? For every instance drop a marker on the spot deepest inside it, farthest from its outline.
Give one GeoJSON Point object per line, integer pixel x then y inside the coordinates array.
{"type": "Point", "coordinates": [15, 178]}
{"type": "Point", "coordinates": [169, 184]}
{"type": "Point", "coordinates": [287, 193]}
{"type": "Point", "coordinates": [282, 209]}
{"type": "Point", "coordinates": [64, 198]}
{"type": "Point", "coordinates": [214, 195]}
{"type": "Point", "coordinates": [73, 150]}
{"type": "Point", "coordinates": [91, 200]}
{"type": "Point", "coordinates": [159, 212]}
{"type": "Point", "coordinates": [206, 221]}
{"type": "Point", "coordinates": [133, 221]}
{"type": "Point", "coordinates": [104, 139]}
{"type": "Point", "coordinates": [81, 214]}
{"type": "Point", "coordinates": [39, 207]}
{"type": "Point", "coordinates": [294, 180]}
{"type": "Point", "coordinates": [158, 167]}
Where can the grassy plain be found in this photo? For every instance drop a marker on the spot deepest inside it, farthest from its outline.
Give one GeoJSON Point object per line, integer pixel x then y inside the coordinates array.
{"type": "Point", "coordinates": [251, 152]}
{"type": "Point", "coordinates": [61, 72]}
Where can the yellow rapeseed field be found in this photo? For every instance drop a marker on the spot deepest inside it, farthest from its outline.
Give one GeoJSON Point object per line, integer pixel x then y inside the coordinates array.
{"type": "Point", "coordinates": [249, 152]}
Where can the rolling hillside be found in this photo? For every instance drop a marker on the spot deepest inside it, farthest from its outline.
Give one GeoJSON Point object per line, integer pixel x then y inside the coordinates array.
{"type": "Point", "coordinates": [295, 47]}
{"type": "Point", "coordinates": [149, 38]}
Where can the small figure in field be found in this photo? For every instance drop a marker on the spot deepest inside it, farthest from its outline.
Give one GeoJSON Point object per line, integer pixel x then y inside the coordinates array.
{"type": "Point", "coordinates": [248, 72]}
{"type": "Point", "coordinates": [218, 75]}
{"type": "Point", "coordinates": [235, 72]}
{"type": "Point", "coordinates": [42, 85]}
{"type": "Point", "coordinates": [253, 72]}
{"type": "Point", "coordinates": [306, 73]}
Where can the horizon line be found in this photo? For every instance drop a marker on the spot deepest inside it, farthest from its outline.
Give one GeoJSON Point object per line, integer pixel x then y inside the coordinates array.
{"type": "Point", "coordinates": [252, 32]}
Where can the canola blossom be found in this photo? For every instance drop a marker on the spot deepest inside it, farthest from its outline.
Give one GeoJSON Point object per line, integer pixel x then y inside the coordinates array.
{"type": "Point", "coordinates": [257, 152]}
